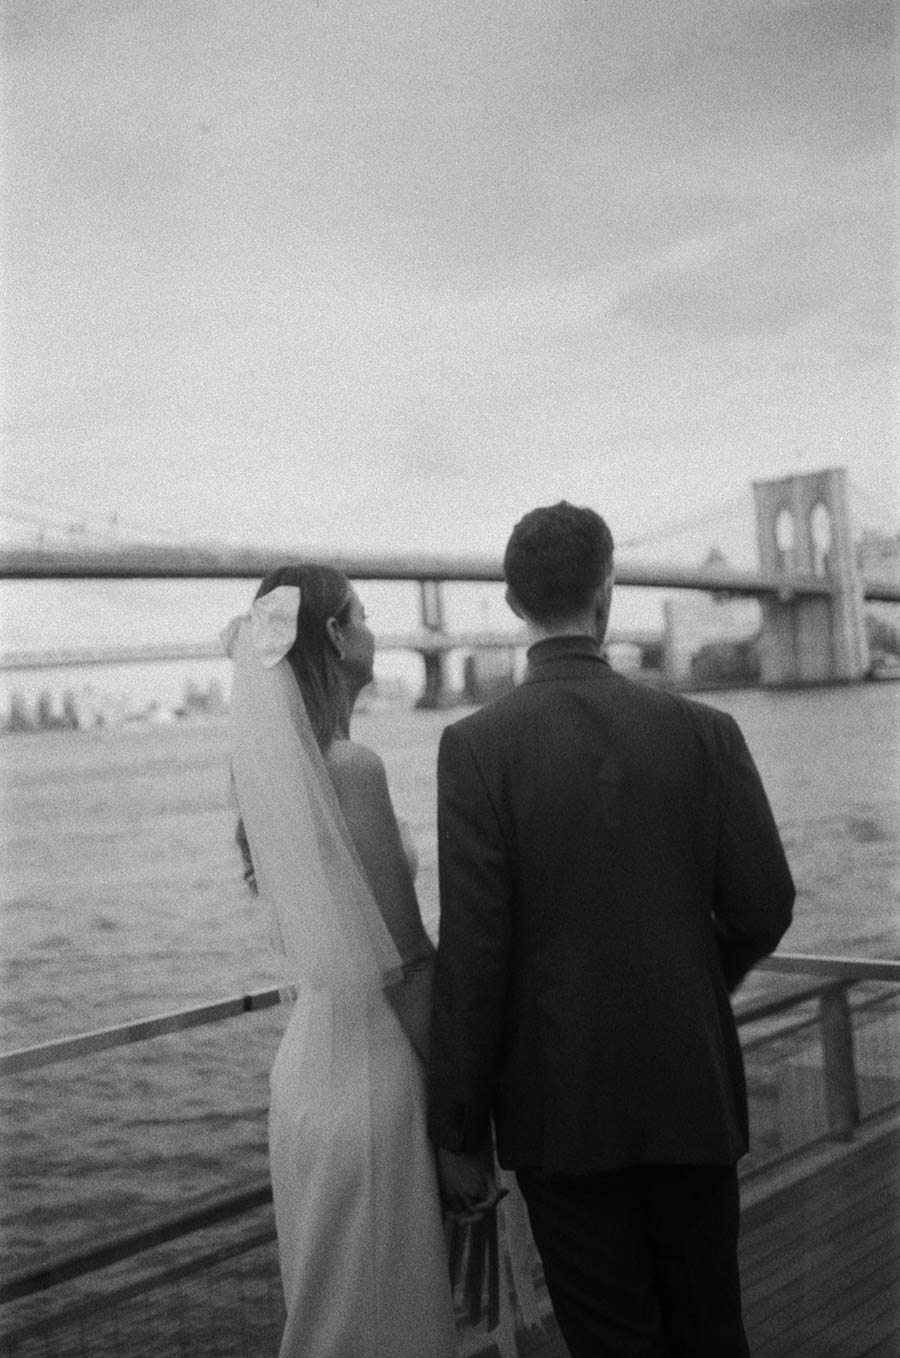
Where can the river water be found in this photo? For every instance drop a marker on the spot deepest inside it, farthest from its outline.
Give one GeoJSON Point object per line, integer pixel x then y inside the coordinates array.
{"type": "Point", "coordinates": [122, 897]}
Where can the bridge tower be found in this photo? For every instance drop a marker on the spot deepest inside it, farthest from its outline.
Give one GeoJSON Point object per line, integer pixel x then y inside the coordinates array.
{"type": "Point", "coordinates": [803, 528]}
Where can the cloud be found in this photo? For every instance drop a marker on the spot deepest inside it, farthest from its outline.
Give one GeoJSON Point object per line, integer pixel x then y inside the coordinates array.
{"type": "Point", "coordinates": [829, 266]}
{"type": "Point", "coordinates": [280, 266]}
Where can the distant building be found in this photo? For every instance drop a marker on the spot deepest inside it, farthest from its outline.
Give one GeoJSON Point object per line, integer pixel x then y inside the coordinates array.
{"type": "Point", "coordinates": [489, 673]}
{"type": "Point", "coordinates": [694, 621]}
{"type": "Point", "coordinates": [88, 707]}
{"type": "Point", "coordinates": [624, 656]}
{"type": "Point", "coordinates": [878, 556]}
{"type": "Point", "coordinates": [385, 692]}
{"type": "Point", "coordinates": [76, 709]}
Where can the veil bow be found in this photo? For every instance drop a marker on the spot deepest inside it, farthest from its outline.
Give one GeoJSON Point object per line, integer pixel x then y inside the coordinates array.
{"type": "Point", "coordinates": [328, 928]}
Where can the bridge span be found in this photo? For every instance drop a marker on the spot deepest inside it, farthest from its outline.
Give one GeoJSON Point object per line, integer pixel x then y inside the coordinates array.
{"type": "Point", "coordinates": [251, 563]}
{"type": "Point", "coordinates": [808, 584]}
{"type": "Point", "coordinates": [421, 640]}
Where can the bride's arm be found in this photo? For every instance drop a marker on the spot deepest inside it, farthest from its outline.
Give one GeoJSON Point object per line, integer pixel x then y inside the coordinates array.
{"type": "Point", "coordinates": [361, 784]}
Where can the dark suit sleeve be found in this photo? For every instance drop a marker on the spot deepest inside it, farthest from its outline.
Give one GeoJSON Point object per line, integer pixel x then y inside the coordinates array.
{"type": "Point", "coordinates": [472, 958]}
{"type": "Point", "coordinates": [754, 891]}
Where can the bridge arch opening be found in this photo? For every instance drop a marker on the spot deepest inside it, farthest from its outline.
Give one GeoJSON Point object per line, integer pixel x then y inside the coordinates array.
{"type": "Point", "coordinates": [785, 537]}
{"type": "Point", "coordinates": [820, 532]}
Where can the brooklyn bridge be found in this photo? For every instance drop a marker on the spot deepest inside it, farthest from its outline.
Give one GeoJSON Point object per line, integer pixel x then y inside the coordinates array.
{"type": "Point", "coordinates": [812, 583]}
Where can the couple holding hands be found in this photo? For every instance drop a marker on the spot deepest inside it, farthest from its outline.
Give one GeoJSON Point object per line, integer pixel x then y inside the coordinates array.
{"type": "Point", "coordinates": [609, 871]}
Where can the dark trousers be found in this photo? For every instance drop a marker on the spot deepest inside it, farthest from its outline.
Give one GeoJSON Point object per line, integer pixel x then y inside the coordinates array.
{"type": "Point", "coordinates": [641, 1261]}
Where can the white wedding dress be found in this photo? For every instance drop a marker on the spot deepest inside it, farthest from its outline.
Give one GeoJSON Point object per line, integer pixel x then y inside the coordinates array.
{"type": "Point", "coordinates": [360, 1234]}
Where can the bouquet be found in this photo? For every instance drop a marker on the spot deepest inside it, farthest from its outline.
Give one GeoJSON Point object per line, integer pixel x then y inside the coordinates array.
{"type": "Point", "coordinates": [492, 1261]}
{"type": "Point", "coordinates": [473, 1253]}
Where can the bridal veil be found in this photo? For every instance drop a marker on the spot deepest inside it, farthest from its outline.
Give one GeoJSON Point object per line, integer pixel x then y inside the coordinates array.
{"type": "Point", "coordinates": [327, 926]}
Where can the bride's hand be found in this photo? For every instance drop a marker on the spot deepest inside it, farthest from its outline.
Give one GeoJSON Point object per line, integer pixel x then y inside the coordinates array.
{"type": "Point", "coordinates": [469, 1187]}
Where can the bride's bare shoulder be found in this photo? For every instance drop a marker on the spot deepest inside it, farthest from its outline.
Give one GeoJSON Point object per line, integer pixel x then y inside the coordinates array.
{"type": "Point", "coordinates": [351, 765]}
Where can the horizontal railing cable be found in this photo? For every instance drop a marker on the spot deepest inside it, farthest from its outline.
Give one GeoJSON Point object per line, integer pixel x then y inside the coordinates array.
{"type": "Point", "coordinates": [141, 1030]}
{"type": "Point", "coordinates": [798, 1025]}
{"type": "Point", "coordinates": [836, 968]}
{"type": "Point", "coordinates": [123, 1034]}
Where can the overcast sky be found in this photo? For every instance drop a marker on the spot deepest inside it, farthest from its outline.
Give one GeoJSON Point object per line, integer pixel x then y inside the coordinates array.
{"type": "Point", "coordinates": [383, 275]}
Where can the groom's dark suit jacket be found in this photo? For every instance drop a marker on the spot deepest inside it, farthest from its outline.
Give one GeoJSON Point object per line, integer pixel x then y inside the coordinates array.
{"type": "Point", "coordinates": [609, 870]}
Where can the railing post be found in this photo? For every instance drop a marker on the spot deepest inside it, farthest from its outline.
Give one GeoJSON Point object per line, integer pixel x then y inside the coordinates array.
{"type": "Point", "coordinates": [841, 1091]}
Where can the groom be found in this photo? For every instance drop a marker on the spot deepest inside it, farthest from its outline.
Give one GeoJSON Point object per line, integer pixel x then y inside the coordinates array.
{"type": "Point", "coordinates": [609, 871]}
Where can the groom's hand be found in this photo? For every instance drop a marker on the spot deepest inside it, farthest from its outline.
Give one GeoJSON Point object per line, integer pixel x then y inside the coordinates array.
{"type": "Point", "coordinates": [467, 1183]}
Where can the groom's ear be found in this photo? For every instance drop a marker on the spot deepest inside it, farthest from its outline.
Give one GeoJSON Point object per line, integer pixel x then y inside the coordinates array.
{"type": "Point", "coordinates": [602, 604]}
{"type": "Point", "coordinates": [514, 603]}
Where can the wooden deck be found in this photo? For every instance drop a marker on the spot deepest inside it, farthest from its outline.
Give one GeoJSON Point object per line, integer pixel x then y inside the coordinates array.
{"type": "Point", "coordinates": [820, 1263]}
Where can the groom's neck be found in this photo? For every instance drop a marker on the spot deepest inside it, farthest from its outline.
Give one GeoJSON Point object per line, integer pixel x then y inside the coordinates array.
{"type": "Point", "coordinates": [581, 626]}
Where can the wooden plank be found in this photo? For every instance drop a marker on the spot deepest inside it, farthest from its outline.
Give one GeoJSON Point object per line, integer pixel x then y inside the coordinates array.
{"type": "Point", "coordinates": [801, 1287]}
{"type": "Point", "coordinates": [823, 1246]}
{"type": "Point", "coordinates": [822, 1259]}
{"type": "Point", "coordinates": [825, 1305]}
{"type": "Point", "coordinates": [814, 1245]}
{"type": "Point", "coordinates": [886, 1347]}
{"type": "Point", "coordinates": [859, 1168]}
{"type": "Point", "coordinates": [771, 1250]}
{"type": "Point", "coordinates": [840, 1330]}
{"type": "Point", "coordinates": [765, 1221]}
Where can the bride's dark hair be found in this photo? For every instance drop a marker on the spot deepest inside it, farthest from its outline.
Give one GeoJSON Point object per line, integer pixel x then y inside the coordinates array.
{"type": "Point", "coordinates": [324, 594]}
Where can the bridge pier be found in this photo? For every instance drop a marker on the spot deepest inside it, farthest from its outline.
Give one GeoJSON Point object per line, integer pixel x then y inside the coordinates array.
{"type": "Point", "coordinates": [436, 693]}
{"type": "Point", "coordinates": [803, 528]}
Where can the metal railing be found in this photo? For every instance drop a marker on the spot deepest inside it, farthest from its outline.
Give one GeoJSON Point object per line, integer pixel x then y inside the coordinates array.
{"type": "Point", "coordinates": [836, 971]}
{"type": "Point", "coordinates": [123, 1034]}
{"type": "Point", "coordinates": [822, 1059]}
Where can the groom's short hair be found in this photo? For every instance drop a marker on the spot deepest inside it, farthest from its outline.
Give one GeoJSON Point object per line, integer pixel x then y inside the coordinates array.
{"type": "Point", "coordinates": [556, 558]}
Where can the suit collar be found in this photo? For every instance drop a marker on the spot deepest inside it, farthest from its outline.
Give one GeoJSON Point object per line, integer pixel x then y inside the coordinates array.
{"type": "Point", "coordinates": [557, 657]}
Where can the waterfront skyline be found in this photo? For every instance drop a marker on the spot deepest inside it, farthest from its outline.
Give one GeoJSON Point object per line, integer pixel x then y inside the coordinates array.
{"type": "Point", "coordinates": [316, 274]}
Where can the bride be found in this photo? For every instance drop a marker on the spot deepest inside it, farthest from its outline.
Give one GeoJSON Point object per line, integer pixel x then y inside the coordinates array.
{"type": "Point", "coordinates": [357, 1210]}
